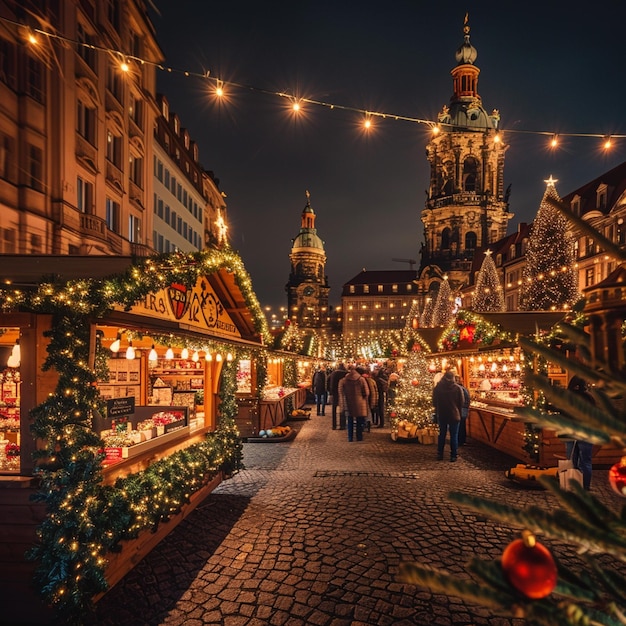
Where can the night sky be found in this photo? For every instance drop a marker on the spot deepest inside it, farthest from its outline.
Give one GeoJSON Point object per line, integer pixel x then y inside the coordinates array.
{"type": "Point", "coordinates": [545, 66]}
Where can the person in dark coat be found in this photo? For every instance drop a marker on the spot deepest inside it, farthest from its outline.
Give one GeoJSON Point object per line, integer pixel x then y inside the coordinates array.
{"type": "Point", "coordinates": [464, 412]}
{"type": "Point", "coordinates": [580, 451]}
{"type": "Point", "coordinates": [448, 402]}
{"type": "Point", "coordinates": [383, 387]}
{"type": "Point", "coordinates": [354, 401]}
{"type": "Point", "coordinates": [333, 386]}
{"type": "Point", "coordinates": [320, 390]}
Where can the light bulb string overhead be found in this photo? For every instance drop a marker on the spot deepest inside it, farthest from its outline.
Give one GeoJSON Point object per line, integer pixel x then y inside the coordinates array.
{"type": "Point", "coordinates": [220, 84]}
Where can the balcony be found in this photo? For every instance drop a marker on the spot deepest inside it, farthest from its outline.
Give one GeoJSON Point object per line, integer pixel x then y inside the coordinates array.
{"type": "Point", "coordinates": [140, 250]}
{"type": "Point", "coordinates": [92, 226]}
{"type": "Point", "coordinates": [114, 176]}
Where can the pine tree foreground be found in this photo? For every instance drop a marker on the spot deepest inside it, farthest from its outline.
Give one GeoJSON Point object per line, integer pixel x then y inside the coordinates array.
{"type": "Point", "coordinates": [595, 593]}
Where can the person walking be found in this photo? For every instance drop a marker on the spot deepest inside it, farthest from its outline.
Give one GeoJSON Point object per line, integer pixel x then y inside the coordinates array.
{"type": "Point", "coordinates": [353, 401]}
{"type": "Point", "coordinates": [448, 402]}
{"type": "Point", "coordinates": [383, 386]}
{"type": "Point", "coordinates": [373, 397]}
{"type": "Point", "coordinates": [580, 451]}
{"type": "Point", "coordinates": [464, 411]}
{"type": "Point", "coordinates": [333, 385]}
{"type": "Point", "coordinates": [320, 390]}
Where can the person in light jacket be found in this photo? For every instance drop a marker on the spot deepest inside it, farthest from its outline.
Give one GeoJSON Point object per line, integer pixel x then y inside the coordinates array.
{"type": "Point", "coordinates": [448, 402]}
{"type": "Point", "coordinates": [354, 401]}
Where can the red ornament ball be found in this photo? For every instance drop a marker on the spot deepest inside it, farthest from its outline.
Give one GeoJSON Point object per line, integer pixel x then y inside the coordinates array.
{"type": "Point", "coordinates": [287, 322]}
{"type": "Point", "coordinates": [617, 477]}
{"type": "Point", "coordinates": [529, 567]}
{"type": "Point", "coordinates": [415, 382]}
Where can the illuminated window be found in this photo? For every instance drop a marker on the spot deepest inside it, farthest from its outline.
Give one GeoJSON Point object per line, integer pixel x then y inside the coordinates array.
{"type": "Point", "coordinates": [394, 288]}
{"type": "Point", "coordinates": [85, 196]}
{"type": "Point", "coordinates": [112, 216]}
{"type": "Point", "coordinates": [590, 276]}
{"type": "Point", "coordinates": [366, 288]}
{"type": "Point", "coordinates": [351, 288]}
{"type": "Point", "coordinates": [380, 289]}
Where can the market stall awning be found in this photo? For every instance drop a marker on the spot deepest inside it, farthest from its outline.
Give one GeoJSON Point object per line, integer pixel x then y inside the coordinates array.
{"type": "Point", "coordinates": [525, 323]}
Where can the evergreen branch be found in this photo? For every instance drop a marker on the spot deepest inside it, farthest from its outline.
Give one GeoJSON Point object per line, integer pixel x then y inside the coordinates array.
{"type": "Point", "coordinates": [615, 583]}
{"type": "Point", "coordinates": [442, 582]}
{"type": "Point", "coordinates": [559, 525]}
{"type": "Point", "coordinates": [585, 227]}
{"type": "Point", "coordinates": [564, 425]}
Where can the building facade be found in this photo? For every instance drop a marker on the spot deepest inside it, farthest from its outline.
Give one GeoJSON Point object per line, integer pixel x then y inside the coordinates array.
{"type": "Point", "coordinates": [307, 288]}
{"type": "Point", "coordinates": [467, 206]}
{"type": "Point", "coordinates": [189, 209]}
{"type": "Point", "coordinates": [377, 300]}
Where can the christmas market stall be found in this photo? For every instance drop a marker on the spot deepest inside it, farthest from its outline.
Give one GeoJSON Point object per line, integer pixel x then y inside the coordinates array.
{"type": "Point", "coordinates": [119, 386]}
{"type": "Point", "coordinates": [484, 350]}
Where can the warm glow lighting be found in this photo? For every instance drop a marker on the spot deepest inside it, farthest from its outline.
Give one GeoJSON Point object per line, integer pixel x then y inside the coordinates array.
{"type": "Point", "coordinates": [296, 106]}
{"type": "Point", "coordinates": [32, 39]}
{"type": "Point", "coordinates": [218, 357]}
{"type": "Point", "coordinates": [229, 357]}
{"type": "Point", "coordinates": [208, 356]}
{"type": "Point", "coordinates": [554, 142]}
{"type": "Point", "coordinates": [130, 351]}
{"type": "Point", "coordinates": [367, 123]}
{"type": "Point", "coordinates": [169, 354]}
{"type": "Point", "coordinates": [496, 139]}
{"type": "Point", "coordinates": [436, 130]}
{"type": "Point", "coordinates": [607, 143]}
{"type": "Point", "coordinates": [195, 357]}
{"type": "Point", "coordinates": [115, 346]}
{"type": "Point", "coordinates": [184, 353]}
{"type": "Point", "coordinates": [124, 66]}
{"type": "Point", "coordinates": [153, 356]}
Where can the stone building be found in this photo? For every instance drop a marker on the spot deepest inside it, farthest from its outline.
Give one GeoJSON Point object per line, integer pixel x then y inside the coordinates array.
{"type": "Point", "coordinates": [307, 288]}
{"type": "Point", "coordinates": [467, 206]}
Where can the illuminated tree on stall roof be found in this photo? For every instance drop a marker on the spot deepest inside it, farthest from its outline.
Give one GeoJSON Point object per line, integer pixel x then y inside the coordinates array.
{"type": "Point", "coordinates": [426, 318]}
{"type": "Point", "coordinates": [488, 295]}
{"type": "Point", "coordinates": [443, 310]}
{"type": "Point", "coordinates": [549, 277]}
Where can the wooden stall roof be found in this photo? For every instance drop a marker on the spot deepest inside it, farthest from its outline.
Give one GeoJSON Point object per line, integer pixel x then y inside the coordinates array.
{"type": "Point", "coordinates": [525, 323]}
{"type": "Point", "coordinates": [29, 270]}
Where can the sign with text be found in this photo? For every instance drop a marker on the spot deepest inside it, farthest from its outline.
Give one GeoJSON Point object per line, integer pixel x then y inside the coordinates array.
{"type": "Point", "coordinates": [118, 407]}
{"type": "Point", "coordinates": [197, 307]}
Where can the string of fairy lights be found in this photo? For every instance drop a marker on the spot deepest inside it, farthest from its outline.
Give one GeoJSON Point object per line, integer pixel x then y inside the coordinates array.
{"type": "Point", "coordinates": [221, 89]}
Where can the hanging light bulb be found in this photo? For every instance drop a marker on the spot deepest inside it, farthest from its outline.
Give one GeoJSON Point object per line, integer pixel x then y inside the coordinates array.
{"type": "Point", "coordinates": [153, 356]}
{"type": "Point", "coordinates": [229, 357]}
{"type": "Point", "coordinates": [218, 357]}
{"type": "Point", "coordinates": [115, 346]}
{"type": "Point", "coordinates": [195, 356]}
{"type": "Point", "coordinates": [130, 351]}
{"type": "Point", "coordinates": [208, 356]}
{"type": "Point", "coordinates": [184, 354]}
{"type": "Point", "coordinates": [15, 356]}
{"type": "Point", "coordinates": [169, 354]}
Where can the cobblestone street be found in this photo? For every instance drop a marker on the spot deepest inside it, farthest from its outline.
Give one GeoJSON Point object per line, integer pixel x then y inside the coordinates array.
{"type": "Point", "coordinates": [313, 532]}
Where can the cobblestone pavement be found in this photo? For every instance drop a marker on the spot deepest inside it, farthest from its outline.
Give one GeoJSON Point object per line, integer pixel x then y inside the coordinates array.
{"type": "Point", "coordinates": [312, 532]}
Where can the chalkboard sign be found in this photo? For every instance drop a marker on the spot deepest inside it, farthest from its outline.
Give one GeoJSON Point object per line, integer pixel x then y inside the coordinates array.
{"type": "Point", "coordinates": [120, 406]}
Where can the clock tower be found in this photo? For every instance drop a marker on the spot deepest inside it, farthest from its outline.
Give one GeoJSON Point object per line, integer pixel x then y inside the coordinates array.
{"type": "Point", "coordinates": [307, 289]}
{"type": "Point", "coordinates": [466, 206]}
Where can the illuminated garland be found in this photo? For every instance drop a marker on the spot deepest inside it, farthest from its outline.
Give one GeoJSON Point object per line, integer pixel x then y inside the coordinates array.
{"type": "Point", "coordinates": [85, 519]}
{"type": "Point", "coordinates": [471, 330]}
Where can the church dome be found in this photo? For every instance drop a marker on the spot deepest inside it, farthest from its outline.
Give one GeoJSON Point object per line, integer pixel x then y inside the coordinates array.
{"type": "Point", "coordinates": [308, 239]}
{"type": "Point", "coordinates": [466, 53]}
{"type": "Point", "coordinates": [469, 114]}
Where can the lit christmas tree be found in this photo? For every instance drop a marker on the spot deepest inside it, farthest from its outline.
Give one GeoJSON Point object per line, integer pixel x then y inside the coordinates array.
{"type": "Point", "coordinates": [443, 310]}
{"type": "Point", "coordinates": [549, 278]}
{"type": "Point", "coordinates": [426, 318]}
{"type": "Point", "coordinates": [488, 294]}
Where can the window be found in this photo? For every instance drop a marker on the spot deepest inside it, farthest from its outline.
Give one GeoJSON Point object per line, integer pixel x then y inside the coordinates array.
{"type": "Point", "coordinates": [380, 289]}
{"type": "Point", "coordinates": [394, 288]}
{"type": "Point", "coordinates": [470, 240]}
{"type": "Point", "coordinates": [590, 276]}
{"type": "Point", "coordinates": [135, 111]}
{"type": "Point", "coordinates": [113, 13]}
{"type": "Point", "coordinates": [159, 170]}
{"type": "Point", "coordinates": [84, 49]}
{"type": "Point", "coordinates": [34, 80]}
{"type": "Point", "coordinates": [575, 205]}
{"type": "Point", "coordinates": [7, 157]}
{"type": "Point", "coordinates": [601, 197]}
{"type": "Point", "coordinates": [35, 244]}
{"type": "Point", "coordinates": [84, 201]}
{"type": "Point", "coordinates": [7, 63]}
{"type": "Point", "coordinates": [86, 123]}
{"type": "Point", "coordinates": [114, 149]}
{"type": "Point", "coordinates": [134, 229]}
{"type": "Point", "coordinates": [173, 220]}
{"type": "Point", "coordinates": [35, 168]}
{"type": "Point", "coordinates": [112, 215]}
{"type": "Point", "coordinates": [445, 238]}
{"type": "Point", "coordinates": [8, 240]}
{"type": "Point", "coordinates": [160, 208]}
{"type": "Point", "coordinates": [136, 170]}
{"type": "Point", "coordinates": [166, 180]}
{"type": "Point", "coordinates": [366, 288]}
{"type": "Point", "coordinates": [409, 287]}
{"type": "Point", "coordinates": [351, 288]}
{"type": "Point", "coordinates": [114, 82]}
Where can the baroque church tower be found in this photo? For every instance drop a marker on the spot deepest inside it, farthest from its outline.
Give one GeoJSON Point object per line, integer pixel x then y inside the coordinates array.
{"type": "Point", "coordinates": [466, 207]}
{"type": "Point", "coordinates": [307, 289]}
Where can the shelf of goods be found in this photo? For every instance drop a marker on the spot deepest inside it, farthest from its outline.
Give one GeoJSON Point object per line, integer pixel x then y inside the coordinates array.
{"type": "Point", "coordinates": [10, 421]}
{"type": "Point", "coordinates": [271, 410]}
{"type": "Point", "coordinates": [496, 387]}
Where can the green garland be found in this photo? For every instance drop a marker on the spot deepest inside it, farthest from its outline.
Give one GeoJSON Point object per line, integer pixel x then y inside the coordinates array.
{"type": "Point", "coordinates": [85, 519]}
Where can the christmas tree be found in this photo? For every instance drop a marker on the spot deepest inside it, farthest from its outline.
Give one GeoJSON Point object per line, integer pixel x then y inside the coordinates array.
{"type": "Point", "coordinates": [549, 277]}
{"type": "Point", "coordinates": [413, 400]}
{"type": "Point", "coordinates": [488, 294]}
{"type": "Point", "coordinates": [527, 582]}
{"type": "Point", "coordinates": [443, 310]}
{"type": "Point", "coordinates": [426, 318]}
